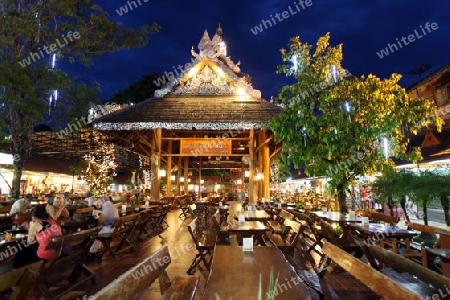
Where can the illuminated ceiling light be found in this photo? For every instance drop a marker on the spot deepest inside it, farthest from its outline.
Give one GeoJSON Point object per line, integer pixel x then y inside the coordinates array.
{"type": "Point", "coordinates": [172, 178]}
{"type": "Point", "coordinates": [239, 181]}
{"type": "Point", "coordinates": [162, 173]}
{"type": "Point", "coordinates": [189, 180]}
{"type": "Point", "coordinates": [202, 181]}
{"type": "Point", "coordinates": [247, 173]}
{"type": "Point", "coordinates": [259, 176]}
{"type": "Point", "coordinates": [181, 179]}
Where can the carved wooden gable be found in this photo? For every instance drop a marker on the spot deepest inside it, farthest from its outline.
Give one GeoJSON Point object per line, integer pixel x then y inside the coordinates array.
{"type": "Point", "coordinates": [205, 82]}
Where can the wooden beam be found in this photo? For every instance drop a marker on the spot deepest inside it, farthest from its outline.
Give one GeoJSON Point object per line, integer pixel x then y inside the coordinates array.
{"type": "Point", "coordinates": [275, 152]}
{"type": "Point", "coordinates": [377, 282]}
{"type": "Point", "coordinates": [266, 168]}
{"type": "Point", "coordinates": [252, 167]}
{"type": "Point", "coordinates": [169, 171]}
{"type": "Point", "coordinates": [142, 139]}
{"type": "Point", "coordinates": [264, 143]}
{"type": "Point", "coordinates": [186, 175]}
{"type": "Point", "coordinates": [156, 150]}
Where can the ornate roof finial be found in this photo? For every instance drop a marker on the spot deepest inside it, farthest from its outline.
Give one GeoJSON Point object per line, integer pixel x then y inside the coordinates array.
{"type": "Point", "coordinates": [219, 31]}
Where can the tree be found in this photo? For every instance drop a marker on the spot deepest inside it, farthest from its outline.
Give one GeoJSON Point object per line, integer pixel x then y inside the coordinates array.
{"type": "Point", "coordinates": [141, 90]}
{"type": "Point", "coordinates": [392, 184]}
{"type": "Point", "coordinates": [336, 124]}
{"type": "Point", "coordinates": [32, 34]}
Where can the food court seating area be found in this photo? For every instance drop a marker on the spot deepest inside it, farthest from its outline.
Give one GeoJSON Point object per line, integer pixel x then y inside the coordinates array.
{"type": "Point", "coordinates": [334, 255]}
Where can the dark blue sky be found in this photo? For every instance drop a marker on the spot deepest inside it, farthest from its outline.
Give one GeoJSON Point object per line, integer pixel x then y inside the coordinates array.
{"type": "Point", "coordinates": [363, 27]}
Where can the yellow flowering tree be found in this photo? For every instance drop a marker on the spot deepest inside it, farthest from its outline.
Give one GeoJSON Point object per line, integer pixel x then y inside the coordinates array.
{"type": "Point", "coordinates": [338, 125]}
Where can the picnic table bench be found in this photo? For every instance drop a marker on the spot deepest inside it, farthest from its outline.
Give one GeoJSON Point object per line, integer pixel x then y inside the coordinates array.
{"type": "Point", "coordinates": [379, 283]}
{"type": "Point", "coordinates": [69, 250]}
{"type": "Point", "coordinates": [134, 282]}
{"type": "Point", "coordinates": [205, 241]}
{"type": "Point", "coordinates": [277, 225]}
{"type": "Point", "coordinates": [287, 241]}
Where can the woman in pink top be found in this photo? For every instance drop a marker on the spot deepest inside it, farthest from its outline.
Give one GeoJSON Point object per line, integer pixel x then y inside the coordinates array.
{"type": "Point", "coordinates": [42, 230]}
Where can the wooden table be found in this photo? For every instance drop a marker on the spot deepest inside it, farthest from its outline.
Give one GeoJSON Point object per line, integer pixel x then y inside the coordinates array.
{"type": "Point", "coordinates": [375, 232]}
{"type": "Point", "coordinates": [337, 217]}
{"type": "Point", "coordinates": [73, 225]}
{"type": "Point", "coordinates": [444, 254]}
{"type": "Point", "coordinates": [254, 215]}
{"type": "Point", "coordinates": [234, 275]}
{"type": "Point", "coordinates": [255, 229]}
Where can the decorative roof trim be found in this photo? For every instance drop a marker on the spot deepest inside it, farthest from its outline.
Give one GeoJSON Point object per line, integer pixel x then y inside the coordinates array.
{"type": "Point", "coordinates": [181, 126]}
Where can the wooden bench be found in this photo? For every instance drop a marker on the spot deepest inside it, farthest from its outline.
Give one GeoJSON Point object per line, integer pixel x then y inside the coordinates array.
{"type": "Point", "coordinates": [184, 206]}
{"type": "Point", "coordinates": [123, 233]}
{"type": "Point", "coordinates": [277, 226]}
{"type": "Point", "coordinates": [205, 241]}
{"type": "Point", "coordinates": [22, 279]}
{"type": "Point", "coordinates": [288, 241]}
{"type": "Point", "coordinates": [415, 276]}
{"type": "Point", "coordinates": [133, 283]}
{"type": "Point", "coordinates": [70, 250]}
{"type": "Point", "coordinates": [374, 280]}
{"type": "Point", "coordinates": [221, 228]}
{"type": "Point", "coordinates": [84, 210]}
{"type": "Point", "coordinates": [344, 242]}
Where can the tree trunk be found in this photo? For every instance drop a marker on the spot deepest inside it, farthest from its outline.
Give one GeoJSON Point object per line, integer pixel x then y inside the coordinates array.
{"type": "Point", "coordinates": [390, 205]}
{"type": "Point", "coordinates": [341, 198]}
{"type": "Point", "coordinates": [445, 206]}
{"type": "Point", "coordinates": [425, 216]}
{"type": "Point", "coordinates": [18, 166]}
{"type": "Point", "coordinates": [403, 205]}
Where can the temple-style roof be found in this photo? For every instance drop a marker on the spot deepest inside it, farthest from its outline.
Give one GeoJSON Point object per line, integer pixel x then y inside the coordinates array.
{"type": "Point", "coordinates": [210, 94]}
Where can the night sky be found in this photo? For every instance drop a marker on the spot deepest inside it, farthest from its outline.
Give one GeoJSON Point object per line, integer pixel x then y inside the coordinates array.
{"type": "Point", "coordinates": [363, 27]}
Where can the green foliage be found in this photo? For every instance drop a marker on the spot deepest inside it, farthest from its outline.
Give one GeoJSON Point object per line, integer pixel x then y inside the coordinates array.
{"type": "Point", "coordinates": [334, 123]}
{"type": "Point", "coordinates": [421, 186]}
{"type": "Point", "coordinates": [35, 30]}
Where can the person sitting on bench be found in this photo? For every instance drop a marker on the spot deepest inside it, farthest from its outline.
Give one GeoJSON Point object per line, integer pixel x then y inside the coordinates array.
{"type": "Point", "coordinates": [42, 230]}
{"type": "Point", "coordinates": [107, 218]}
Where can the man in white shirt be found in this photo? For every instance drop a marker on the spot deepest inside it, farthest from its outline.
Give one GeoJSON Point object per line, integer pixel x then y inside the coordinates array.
{"type": "Point", "coordinates": [107, 218]}
{"type": "Point", "coordinates": [21, 205]}
{"type": "Point", "coordinates": [90, 199]}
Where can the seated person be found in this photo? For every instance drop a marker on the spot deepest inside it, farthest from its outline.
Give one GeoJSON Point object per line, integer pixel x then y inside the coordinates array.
{"type": "Point", "coordinates": [66, 198]}
{"type": "Point", "coordinates": [21, 206]}
{"type": "Point", "coordinates": [57, 209]}
{"type": "Point", "coordinates": [90, 199]}
{"type": "Point", "coordinates": [107, 218]}
{"type": "Point", "coordinates": [50, 197]}
{"type": "Point", "coordinates": [42, 230]}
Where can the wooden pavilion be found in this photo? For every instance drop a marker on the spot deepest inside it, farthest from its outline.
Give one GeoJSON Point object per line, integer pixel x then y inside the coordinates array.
{"type": "Point", "coordinates": [208, 116]}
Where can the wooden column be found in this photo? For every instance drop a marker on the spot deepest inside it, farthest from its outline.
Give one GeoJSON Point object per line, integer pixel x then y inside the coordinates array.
{"type": "Point", "coordinates": [178, 176]}
{"type": "Point", "coordinates": [260, 163]}
{"type": "Point", "coordinates": [155, 163]}
{"type": "Point", "coordinates": [169, 170]}
{"type": "Point", "coordinates": [266, 166]}
{"type": "Point", "coordinates": [252, 168]}
{"type": "Point", "coordinates": [186, 175]}
{"type": "Point", "coordinates": [200, 179]}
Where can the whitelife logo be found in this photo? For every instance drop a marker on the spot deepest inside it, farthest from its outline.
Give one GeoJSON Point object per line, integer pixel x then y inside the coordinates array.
{"type": "Point", "coordinates": [53, 48]}
{"type": "Point", "coordinates": [411, 38]}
